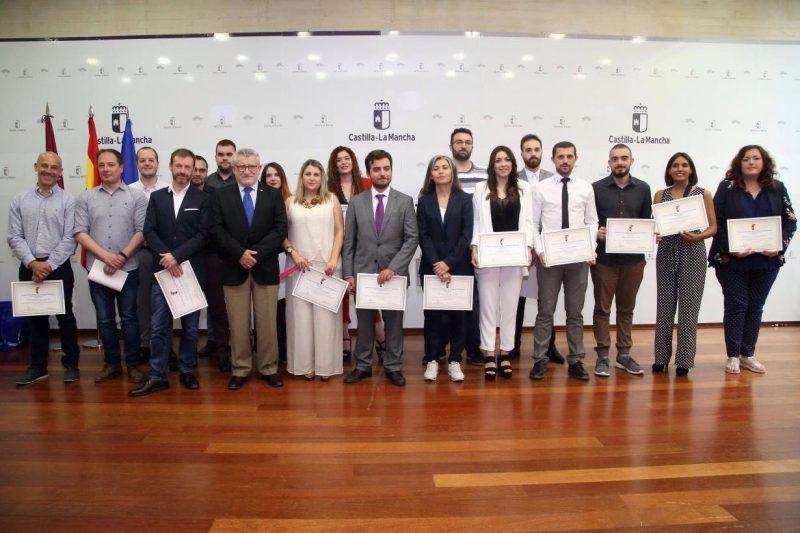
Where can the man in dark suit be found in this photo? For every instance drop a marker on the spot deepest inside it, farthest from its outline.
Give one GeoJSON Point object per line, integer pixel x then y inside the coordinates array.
{"type": "Point", "coordinates": [248, 224]}
{"type": "Point", "coordinates": [380, 238]}
{"type": "Point", "coordinates": [176, 229]}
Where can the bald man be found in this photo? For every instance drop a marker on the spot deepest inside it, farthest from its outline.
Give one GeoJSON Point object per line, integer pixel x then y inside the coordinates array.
{"type": "Point", "coordinates": [40, 235]}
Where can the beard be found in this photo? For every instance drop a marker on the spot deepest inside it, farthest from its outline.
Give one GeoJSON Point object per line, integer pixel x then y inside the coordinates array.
{"type": "Point", "coordinates": [462, 155]}
{"type": "Point", "coordinates": [620, 172]}
{"type": "Point", "coordinates": [533, 162]}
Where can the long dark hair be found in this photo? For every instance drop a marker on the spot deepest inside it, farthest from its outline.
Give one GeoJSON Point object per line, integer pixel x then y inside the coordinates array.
{"type": "Point", "coordinates": [512, 188]}
{"type": "Point", "coordinates": [285, 193]}
{"type": "Point", "coordinates": [334, 181]}
{"type": "Point", "coordinates": [429, 186]}
{"type": "Point", "coordinates": [692, 176]}
{"type": "Point", "coordinates": [767, 177]}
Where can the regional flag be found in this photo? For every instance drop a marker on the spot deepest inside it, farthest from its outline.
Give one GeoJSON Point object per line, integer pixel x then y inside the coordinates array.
{"type": "Point", "coordinates": [130, 174]}
{"type": "Point", "coordinates": [50, 138]}
{"type": "Point", "coordinates": [92, 174]}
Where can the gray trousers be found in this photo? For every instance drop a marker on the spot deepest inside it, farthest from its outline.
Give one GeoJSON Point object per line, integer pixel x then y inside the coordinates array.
{"type": "Point", "coordinates": [393, 327]}
{"type": "Point", "coordinates": [143, 295]}
{"type": "Point", "coordinates": [575, 278]}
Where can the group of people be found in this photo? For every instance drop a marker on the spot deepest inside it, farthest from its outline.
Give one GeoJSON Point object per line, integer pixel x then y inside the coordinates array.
{"type": "Point", "coordinates": [244, 227]}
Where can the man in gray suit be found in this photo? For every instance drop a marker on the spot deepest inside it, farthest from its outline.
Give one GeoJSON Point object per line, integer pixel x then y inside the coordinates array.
{"type": "Point", "coordinates": [380, 238]}
{"type": "Point", "coordinates": [531, 147]}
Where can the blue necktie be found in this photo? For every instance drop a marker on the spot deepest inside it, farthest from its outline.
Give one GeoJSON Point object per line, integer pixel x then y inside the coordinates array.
{"type": "Point", "coordinates": [247, 203]}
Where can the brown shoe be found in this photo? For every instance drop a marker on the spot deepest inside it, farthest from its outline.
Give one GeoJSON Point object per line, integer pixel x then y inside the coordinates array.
{"type": "Point", "coordinates": [135, 375]}
{"type": "Point", "coordinates": [108, 372]}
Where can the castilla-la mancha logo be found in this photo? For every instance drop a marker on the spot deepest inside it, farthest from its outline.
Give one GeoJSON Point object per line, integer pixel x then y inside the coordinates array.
{"type": "Point", "coordinates": [119, 114]}
{"type": "Point", "coordinates": [639, 120]}
{"type": "Point", "coordinates": [382, 117]}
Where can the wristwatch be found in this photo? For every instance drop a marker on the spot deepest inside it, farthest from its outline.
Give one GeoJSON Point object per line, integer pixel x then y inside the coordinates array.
{"type": "Point", "coordinates": [290, 250]}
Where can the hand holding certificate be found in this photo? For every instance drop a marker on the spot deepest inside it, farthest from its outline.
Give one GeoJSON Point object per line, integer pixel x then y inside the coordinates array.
{"type": "Point", "coordinates": [454, 295]}
{"type": "Point", "coordinates": [390, 296]}
{"type": "Point", "coordinates": [677, 216]}
{"type": "Point", "coordinates": [502, 248]}
{"type": "Point", "coordinates": [324, 291]}
{"type": "Point", "coordinates": [630, 235]}
{"type": "Point", "coordinates": [114, 281]}
{"type": "Point", "coordinates": [762, 234]}
{"type": "Point", "coordinates": [36, 299]}
{"type": "Point", "coordinates": [183, 293]}
{"type": "Point", "coordinates": [564, 246]}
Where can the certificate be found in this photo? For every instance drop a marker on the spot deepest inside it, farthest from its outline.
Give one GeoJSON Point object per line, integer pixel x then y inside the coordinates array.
{"type": "Point", "coordinates": [183, 294]}
{"type": "Point", "coordinates": [390, 296]}
{"type": "Point", "coordinates": [455, 295]}
{"type": "Point", "coordinates": [502, 248]}
{"type": "Point", "coordinates": [315, 287]}
{"type": "Point", "coordinates": [630, 235]}
{"type": "Point", "coordinates": [564, 246]}
{"type": "Point", "coordinates": [114, 281]}
{"type": "Point", "coordinates": [762, 234]}
{"type": "Point", "coordinates": [684, 214]}
{"type": "Point", "coordinates": [29, 298]}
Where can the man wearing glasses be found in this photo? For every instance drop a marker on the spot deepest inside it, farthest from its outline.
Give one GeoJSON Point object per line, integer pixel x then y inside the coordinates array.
{"type": "Point", "coordinates": [248, 224]}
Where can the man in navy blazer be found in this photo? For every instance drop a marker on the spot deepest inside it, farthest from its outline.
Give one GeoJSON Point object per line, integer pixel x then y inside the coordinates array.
{"type": "Point", "coordinates": [176, 229]}
{"type": "Point", "coordinates": [248, 225]}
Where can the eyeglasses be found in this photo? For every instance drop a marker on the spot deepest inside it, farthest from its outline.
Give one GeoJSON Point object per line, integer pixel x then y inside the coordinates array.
{"type": "Point", "coordinates": [462, 143]}
{"type": "Point", "coordinates": [248, 168]}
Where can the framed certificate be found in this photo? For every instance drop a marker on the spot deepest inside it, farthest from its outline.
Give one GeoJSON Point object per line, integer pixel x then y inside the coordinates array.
{"type": "Point", "coordinates": [502, 248]}
{"type": "Point", "coordinates": [456, 295]}
{"type": "Point", "coordinates": [317, 288]}
{"type": "Point", "coordinates": [684, 214]}
{"type": "Point", "coordinates": [630, 235]}
{"type": "Point", "coordinates": [29, 298]}
{"type": "Point", "coordinates": [565, 246]}
{"type": "Point", "coordinates": [762, 234]}
{"type": "Point", "coordinates": [183, 294]}
{"type": "Point", "coordinates": [391, 296]}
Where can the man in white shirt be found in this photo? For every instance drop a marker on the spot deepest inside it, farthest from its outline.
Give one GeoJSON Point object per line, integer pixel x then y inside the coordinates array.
{"type": "Point", "coordinates": [147, 165]}
{"type": "Point", "coordinates": [561, 202]}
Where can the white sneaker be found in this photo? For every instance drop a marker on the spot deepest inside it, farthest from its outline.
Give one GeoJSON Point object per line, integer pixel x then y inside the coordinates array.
{"type": "Point", "coordinates": [732, 366]}
{"type": "Point", "coordinates": [454, 371]}
{"type": "Point", "coordinates": [753, 365]}
{"type": "Point", "coordinates": [431, 370]}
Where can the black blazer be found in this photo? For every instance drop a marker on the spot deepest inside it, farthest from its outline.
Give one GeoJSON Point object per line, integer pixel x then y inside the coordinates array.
{"type": "Point", "coordinates": [230, 232]}
{"type": "Point", "coordinates": [728, 205]}
{"type": "Point", "coordinates": [185, 236]}
{"type": "Point", "coordinates": [446, 240]}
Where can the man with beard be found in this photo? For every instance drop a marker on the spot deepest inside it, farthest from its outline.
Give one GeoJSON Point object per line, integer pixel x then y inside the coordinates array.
{"type": "Point", "coordinates": [200, 173]}
{"type": "Point", "coordinates": [223, 155]}
{"type": "Point", "coordinates": [469, 174]}
{"type": "Point", "coordinates": [619, 195]}
{"type": "Point", "coordinates": [531, 147]}
{"type": "Point", "coordinates": [561, 202]}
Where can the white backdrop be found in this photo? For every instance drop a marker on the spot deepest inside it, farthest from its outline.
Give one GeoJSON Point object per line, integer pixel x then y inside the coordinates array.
{"type": "Point", "coordinates": [294, 98]}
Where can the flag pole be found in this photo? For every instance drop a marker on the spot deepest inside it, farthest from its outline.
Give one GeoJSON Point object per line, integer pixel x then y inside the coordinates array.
{"type": "Point", "coordinates": [92, 343]}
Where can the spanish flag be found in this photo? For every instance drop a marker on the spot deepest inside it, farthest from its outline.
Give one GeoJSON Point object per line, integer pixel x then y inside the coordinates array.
{"type": "Point", "coordinates": [92, 174]}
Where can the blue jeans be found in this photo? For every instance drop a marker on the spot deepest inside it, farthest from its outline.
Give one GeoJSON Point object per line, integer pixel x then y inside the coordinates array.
{"type": "Point", "coordinates": [103, 299]}
{"type": "Point", "coordinates": [161, 337]}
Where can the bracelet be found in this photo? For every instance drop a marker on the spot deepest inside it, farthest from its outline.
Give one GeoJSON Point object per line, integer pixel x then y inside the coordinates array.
{"type": "Point", "coordinates": [123, 255]}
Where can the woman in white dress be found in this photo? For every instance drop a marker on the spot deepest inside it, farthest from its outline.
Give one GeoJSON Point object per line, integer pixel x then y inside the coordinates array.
{"type": "Point", "coordinates": [316, 233]}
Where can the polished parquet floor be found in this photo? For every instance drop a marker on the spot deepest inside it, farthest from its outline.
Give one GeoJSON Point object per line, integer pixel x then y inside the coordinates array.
{"type": "Point", "coordinates": [711, 451]}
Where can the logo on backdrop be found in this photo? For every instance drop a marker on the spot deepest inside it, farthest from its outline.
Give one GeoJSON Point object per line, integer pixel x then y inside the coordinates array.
{"type": "Point", "coordinates": [64, 126]}
{"type": "Point", "coordinates": [119, 114]}
{"type": "Point", "coordinates": [639, 119]}
{"type": "Point", "coordinates": [382, 116]}
{"type": "Point", "coordinates": [16, 126]}
{"type": "Point", "coordinates": [273, 122]}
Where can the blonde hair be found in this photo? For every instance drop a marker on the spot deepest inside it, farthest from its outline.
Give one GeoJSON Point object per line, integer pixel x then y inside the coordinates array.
{"type": "Point", "coordinates": [323, 195]}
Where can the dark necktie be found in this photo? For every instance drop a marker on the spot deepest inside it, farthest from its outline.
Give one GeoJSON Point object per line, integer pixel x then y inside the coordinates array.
{"type": "Point", "coordinates": [379, 214]}
{"type": "Point", "coordinates": [564, 204]}
{"type": "Point", "coordinates": [247, 203]}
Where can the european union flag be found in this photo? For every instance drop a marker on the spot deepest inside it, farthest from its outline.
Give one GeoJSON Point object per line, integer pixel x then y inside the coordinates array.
{"type": "Point", "coordinates": [130, 173]}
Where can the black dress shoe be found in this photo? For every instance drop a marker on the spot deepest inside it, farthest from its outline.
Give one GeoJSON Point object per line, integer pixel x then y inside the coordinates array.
{"type": "Point", "coordinates": [273, 380]}
{"type": "Point", "coordinates": [538, 370]}
{"type": "Point", "coordinates": [659, 368]}
{"type": "Point", "coordinates": [514, 354]}
{"type": "Point", "coordinates": [150, 386]}
{"type": "Point", "coordinates": [577, 371]}
{"type": "Point", "coordinates": [476, 358]}
{"type": "Point", "coordinates": [224, 361]}
{"type": "Point", "coordinates": [208, 349]}
{"type": "Point", "coordinates": [357, 375]}
{"type": "Point", "coordinates": [680, 372]}
{"type": "Point", "coordinates": [236, 382]}
{"type": "Point", "coordinates": [189, 381]}
{"type": "Point", "coordinates": [395, 377]}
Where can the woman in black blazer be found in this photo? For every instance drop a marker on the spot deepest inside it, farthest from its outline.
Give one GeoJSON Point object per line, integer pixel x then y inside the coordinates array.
{"type": "Point", "coordinates": [444, 218]}
{"type": "Point", "coordinates": [749, 190]}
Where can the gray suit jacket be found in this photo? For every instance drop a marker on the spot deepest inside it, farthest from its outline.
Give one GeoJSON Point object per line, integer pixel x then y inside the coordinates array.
{"type": "Point", "coordinates": [367, 252]}
{"type": "Point", "coordinates": [543, 174]}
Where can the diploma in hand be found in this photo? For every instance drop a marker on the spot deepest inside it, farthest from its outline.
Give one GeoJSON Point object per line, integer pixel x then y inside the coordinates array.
{"type": "Point", "coordinates": [183, 294]}
{"type": "Point", "coordinates": [502, 248]}
{"type": "Point", "coordinates": [762, 234]}
{"type": "Point", "coordinates": [455, 295]}
{"type": "Point", "coordinates": [630, 235]}
{"type": "Point", "coordinates": [683, 214]}
{"type": "Point", "coordinates": [35, 299]}
{"type": "Point", "coordinates": [564, 246]}
{"type": "Point", "coordinates": [390, 296]}
{"type": "Point", "coordinates": [315, 287]}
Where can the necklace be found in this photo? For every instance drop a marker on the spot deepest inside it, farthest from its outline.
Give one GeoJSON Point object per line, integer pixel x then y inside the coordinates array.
{"type": "Point", "coordinates": [308, 204]}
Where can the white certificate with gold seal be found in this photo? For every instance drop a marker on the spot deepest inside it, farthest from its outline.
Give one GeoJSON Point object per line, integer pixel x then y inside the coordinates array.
{"type": "Point", "coordinates": [630, 235]}
{"type": "Point", "coordinates": [761, 234]}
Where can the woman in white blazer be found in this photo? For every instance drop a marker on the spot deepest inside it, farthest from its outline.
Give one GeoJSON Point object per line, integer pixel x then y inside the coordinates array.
{"type": "Point", "coordinates": [501, 203]}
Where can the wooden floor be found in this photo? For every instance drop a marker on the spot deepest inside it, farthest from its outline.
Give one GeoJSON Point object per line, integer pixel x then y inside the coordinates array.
{"type": "Point", "coordinates": [711, 451]}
